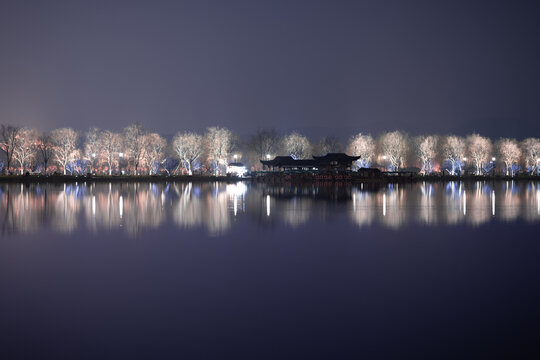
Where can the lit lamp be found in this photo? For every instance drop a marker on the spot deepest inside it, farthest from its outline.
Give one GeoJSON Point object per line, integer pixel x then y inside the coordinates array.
{"type": "Point", "coordinates": [268, 157]}
{"type": "Point", "coordinates": [493, 159]}
{"type": "Point", "coordinates": [121, 154]}
{"type": "Point", "coordinates": [235, 156]}
{"type": "Point", "coordinates": [94, 155]}
{"type": "Point", "coordinates": [464, 159]}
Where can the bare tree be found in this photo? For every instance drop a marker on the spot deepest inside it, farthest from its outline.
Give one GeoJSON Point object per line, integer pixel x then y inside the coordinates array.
{"type": "Point", "coordinates": [65, 144]}
{"type": "Point", "coordinates": [531, 153]}
{"type": "Point", "coordinates": [454, 152]}
{"type": "Point", "coordinates": [394, 148]}
{"type": "Point", "coordinates": [154, 152]}
{"type": "Point", "coordinates": [263, 144]}
{"type": "Point", "coordinates": [426, 149]}
{"type": "Point", "coordinates": [327, 145]}
{"type": "Point", "coordinates": [109, 149]}
{"type": "Point", "coordinates": [92, 146]}
{"type": "Point", "coordinates": [188, 147]}
{"type": "Point", "coordinates": [364, 146]}
{"type": "Point", "coordinates": [8, 142]}
{"type": "Point", "coordinates": [510, 154]}
{"type": "Point", "coordinates": [135, 142]}
{"type": "Point", "coordinates": [45, 149]}
{"type": "Point", "coordinates": [297, 146]}
{"type": "Point", "coordinates": [479, 151]}
{"type": "Point", "coordinates": [25, 148]}
{"type": "Point", "coordinates": [218, 144]}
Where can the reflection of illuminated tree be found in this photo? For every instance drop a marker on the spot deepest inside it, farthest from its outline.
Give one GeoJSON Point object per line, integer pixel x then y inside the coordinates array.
{"type": "Point", "coordinates": [135, 207]}
{"type": "Point", "coordinates": [394, 204]}
{"type": "Point", "coordinates": [479, 204]}
{"type": "Point", "coordinates": [188, 211]}
{"type": "Point", "coordinates": [510, 202]}
{"type": "Point", "coordinates": [427, 205]}
{"type": "Point", "coordinates": [364, 208]}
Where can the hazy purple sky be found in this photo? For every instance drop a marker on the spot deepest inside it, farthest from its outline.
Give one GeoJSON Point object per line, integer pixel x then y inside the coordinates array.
{"type": "Point", "coordinates": [315, 66]}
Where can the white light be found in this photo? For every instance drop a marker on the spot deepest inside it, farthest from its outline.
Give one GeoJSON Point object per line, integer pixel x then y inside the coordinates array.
{"type": "Point", "coordinates": [268, 157]}
{"type": "Point", "coordinates": [493, 202]}
{"type": "Point", "coordinates": [267, 205]}
{"type": "Point", "coordinates": [384, 157]}
{"type": "Point", "coordinates": [121, 154]}
{"type": "Point", "coordinates": [493, 159]}
{"type": "Point", "coordinates": [94, 155]}
{"type": "Point", "coordinates": [235, 156]}
{"type": "Point", "coordinates": [464, 159]}
{"type": "Point", "coordinates": [237, 170]}
{"type": "Point", "coordinates": [384, 205]}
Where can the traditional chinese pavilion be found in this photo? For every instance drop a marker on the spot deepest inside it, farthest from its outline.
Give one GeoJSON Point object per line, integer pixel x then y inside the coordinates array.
{"type": "Point", "coordinates": [331, 161]}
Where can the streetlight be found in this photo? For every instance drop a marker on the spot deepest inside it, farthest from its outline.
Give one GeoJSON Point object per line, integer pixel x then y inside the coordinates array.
{"type": "Point", "coordinates": [384, 157]}
{"type": "Point", "coordinates": [235, 156]}
{"type": "Point", "coordinates": [93, 155]}
{"type": "Point", "coordinates": [493, 158]}
{"type": "Point", "coordinates": [464, 159]}
{"type": "Point", "coordinates": [121, 154]}
{"type": "Point", "coordinates": [268, 157]}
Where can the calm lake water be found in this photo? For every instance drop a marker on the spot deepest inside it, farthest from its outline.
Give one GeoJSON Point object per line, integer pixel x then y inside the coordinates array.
{"type": "Point", "coordinates": [215, 270]}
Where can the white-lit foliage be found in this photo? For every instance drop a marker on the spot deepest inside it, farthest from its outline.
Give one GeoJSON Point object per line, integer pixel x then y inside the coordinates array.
{"type": "Point", "coordinates": [454, 153]}
{"type": "Point", "coordinates": [479, 149]}
{"type": "Point", "coordinates": [218, 145]}
{"type": "Point", "coordinates": [394, 148]}
{"type": "Point", "coordinates": [297, 146]}
{"type": "Point", "coordinates": [426, 148]}
{"type": "Point", "coordinates": [188, 147]}
{"type": "Point", "coordinates": [65, 145]}
{"type": "Point", "coordinates": [364, 146]}
{"type": "Point", "coordinates": [509, 153]}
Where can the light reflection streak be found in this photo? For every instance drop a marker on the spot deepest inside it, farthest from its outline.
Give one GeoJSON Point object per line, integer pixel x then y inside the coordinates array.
{"type": "Point", "coordinates": [213, 206]}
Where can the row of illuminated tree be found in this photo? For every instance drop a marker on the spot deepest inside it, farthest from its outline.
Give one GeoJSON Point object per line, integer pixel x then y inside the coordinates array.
{"type": "Point", "coordinates": [138, 151]}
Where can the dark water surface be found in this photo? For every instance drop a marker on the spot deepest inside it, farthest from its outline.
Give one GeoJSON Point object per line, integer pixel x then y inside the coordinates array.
{"type": "Point", "coordinates": [196, 271]}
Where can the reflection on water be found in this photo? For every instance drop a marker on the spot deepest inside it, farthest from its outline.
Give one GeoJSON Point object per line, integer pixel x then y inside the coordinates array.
{"type": "Point", "coordinates": [132, 207]}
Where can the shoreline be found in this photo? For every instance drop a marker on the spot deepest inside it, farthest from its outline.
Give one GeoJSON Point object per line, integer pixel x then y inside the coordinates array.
{"type": "Point", "coordinates": [273, 179]}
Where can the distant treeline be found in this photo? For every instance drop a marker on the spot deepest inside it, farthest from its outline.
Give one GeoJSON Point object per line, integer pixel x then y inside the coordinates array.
{"type": "Point", "coordinates": [136, 150]}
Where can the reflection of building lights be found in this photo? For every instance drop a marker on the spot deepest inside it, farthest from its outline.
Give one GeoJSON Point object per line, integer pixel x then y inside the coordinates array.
{"type": "Point", "coordinates": [493, 202]}
{"type": "Point", "coordinates": [464, 202]}
{"type": "Point", "coordinates": [267, 205]}
{"type": "Point", "coordinates": [236, 169]}
{"type": "Point", "coordinates": [384, 204]}
{"type": "Point", "coordinates": [237, 189]}
{"type": "Point", "coordinates": [121, 206]}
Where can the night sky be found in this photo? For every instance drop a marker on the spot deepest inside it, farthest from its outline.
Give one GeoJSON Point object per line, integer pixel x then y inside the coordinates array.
{"type": "Point", "coordinates": [320, 67]}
